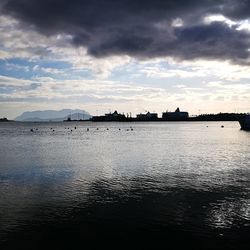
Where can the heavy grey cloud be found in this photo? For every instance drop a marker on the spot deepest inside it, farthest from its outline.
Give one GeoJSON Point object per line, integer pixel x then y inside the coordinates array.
{"type": "Point", "coordinates": [141, 28]}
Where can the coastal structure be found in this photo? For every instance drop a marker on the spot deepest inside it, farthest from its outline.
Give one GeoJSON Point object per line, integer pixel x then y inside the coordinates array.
{"type": "Point", "coordinates": [177, 115]}
{"type": "Point", "coordinates": [110, 117]}
{"type": "Point", "coordinates": [147, 117]}
{"type": "Point", "coordinates": [4, 119]}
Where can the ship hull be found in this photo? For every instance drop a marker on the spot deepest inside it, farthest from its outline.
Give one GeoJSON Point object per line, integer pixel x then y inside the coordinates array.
{"type": "Point", "coordinates": [245, 122]}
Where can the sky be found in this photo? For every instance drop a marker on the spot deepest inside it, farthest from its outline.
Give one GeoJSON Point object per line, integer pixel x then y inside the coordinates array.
{"type": "Point", "coordinates": [126, 55]}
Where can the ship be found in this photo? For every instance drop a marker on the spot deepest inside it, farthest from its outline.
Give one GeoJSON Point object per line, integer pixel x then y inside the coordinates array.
{"type": "Point", "coordinates": [147, 117]}
{"type": "Point", "coordinates": [245, 122]}
{"type": "Point", "coordinates": [177, 115]}
{"type": "Point", "coordinates": [110, 117]}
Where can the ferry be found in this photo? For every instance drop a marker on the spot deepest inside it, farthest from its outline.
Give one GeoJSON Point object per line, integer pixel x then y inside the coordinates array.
{"type": "Point", "coordinates": [245, 122]}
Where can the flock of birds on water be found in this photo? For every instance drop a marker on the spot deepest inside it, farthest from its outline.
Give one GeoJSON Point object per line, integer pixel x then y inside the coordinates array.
{"type": "Point", "coordinates": [71, 130]}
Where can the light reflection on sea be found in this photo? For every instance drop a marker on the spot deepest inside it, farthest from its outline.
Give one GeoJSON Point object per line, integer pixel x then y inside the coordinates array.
{"type": "Point", "coordinates": [167, 180]}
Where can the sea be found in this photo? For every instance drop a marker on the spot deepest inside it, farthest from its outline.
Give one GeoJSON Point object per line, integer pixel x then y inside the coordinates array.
{"type": "Point", "coordinates": [162, 185]}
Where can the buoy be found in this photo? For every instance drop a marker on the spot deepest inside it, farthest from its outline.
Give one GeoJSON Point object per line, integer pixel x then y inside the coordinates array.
{"type": "Point", "coordinates": [31, 130]}
{"type": "Point", "coordinates": [222, 126]}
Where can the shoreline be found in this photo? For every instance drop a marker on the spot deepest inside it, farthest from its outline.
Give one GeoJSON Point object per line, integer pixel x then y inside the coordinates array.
{"type": "Point", "coordinates": [79, 121]}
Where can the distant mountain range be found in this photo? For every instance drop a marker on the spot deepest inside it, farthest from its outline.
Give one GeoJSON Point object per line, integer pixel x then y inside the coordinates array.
{"type": "Point", "coordinates": [54, 115]}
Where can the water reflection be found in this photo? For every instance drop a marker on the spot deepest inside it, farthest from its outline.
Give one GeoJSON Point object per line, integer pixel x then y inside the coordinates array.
{"type": "Point", "coordinates": [63, 189]}
{"type": "Point", "coordinates": [230, 213]}
{"type": "Point", "coordinates": [122, 207]}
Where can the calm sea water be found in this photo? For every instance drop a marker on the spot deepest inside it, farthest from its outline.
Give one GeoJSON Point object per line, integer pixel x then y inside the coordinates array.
{"type": "Point", "coordinates": [172, 183]}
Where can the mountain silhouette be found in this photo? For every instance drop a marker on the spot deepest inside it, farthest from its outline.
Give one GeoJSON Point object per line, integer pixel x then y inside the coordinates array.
{"type": "Point", "coordinates": [54, 115]}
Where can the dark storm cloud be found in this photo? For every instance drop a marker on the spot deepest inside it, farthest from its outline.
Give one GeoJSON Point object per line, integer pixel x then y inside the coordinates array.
{"type": "Point", "coordinates": [140, 28]}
